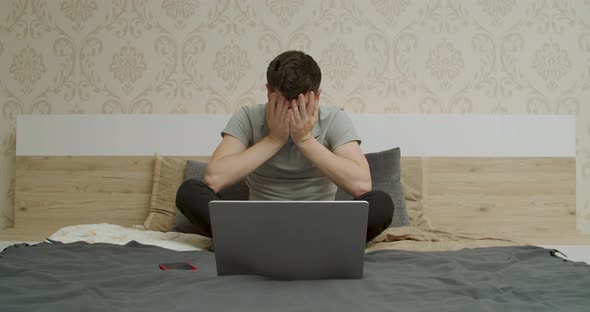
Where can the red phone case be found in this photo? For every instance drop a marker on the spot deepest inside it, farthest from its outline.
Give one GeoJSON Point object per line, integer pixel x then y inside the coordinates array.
{"type": "Point", "coordinates": [177, 266]}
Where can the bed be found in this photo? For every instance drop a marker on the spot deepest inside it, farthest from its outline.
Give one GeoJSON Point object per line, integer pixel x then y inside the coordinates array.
{"type": "Point", "coordinates": [490, 219]}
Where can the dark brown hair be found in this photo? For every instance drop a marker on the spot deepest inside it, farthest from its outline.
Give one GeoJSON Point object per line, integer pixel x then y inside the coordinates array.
{"type": "Point", "coordinates": [292, 73]}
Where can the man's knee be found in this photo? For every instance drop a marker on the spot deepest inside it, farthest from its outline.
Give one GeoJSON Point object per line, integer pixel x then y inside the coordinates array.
{"type": "Point", "coordinates": [187, 189]}
{"type": "Point", "coordinates": [378, 195]}
{"type": "Point", "coordinates": [380, 198]}
{"type": "Point", "coordinates": [192, 184]}
{"type": "Point", "coordinates": [386, 203]}
{"type": "Point", "coordinates": [381, 207]}
{"type": "Point", "coordinates": [188, 186]}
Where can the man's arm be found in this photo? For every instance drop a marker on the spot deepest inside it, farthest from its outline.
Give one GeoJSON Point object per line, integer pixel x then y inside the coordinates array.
{"type": "Point", "coordinates": [347, 167]}
{"type": "Point", "coordinates": [232, 160]}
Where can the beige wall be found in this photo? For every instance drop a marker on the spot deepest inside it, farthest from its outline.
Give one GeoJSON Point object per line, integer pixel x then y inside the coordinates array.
{"type": "Point", "coordinates": [378, 56]}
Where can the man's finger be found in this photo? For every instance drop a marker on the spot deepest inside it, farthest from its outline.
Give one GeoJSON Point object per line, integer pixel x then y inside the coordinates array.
{"type": "Point", "coordinates": [290, 121]}
{"type": "Point", "coordinates": [271, 105]}
{"type": "Point", "coordinates": [284, 110]}
{"type": "Point", "coordinates": [296, 112]}
{"type": "Point", "coordinates": [279, 109]}
{"type": "Point", "coordinates": [316, 110]}
{"type": "Point", "coordinates": [310, 101]}
{"type": "Point", "coordinates": [301, 103]}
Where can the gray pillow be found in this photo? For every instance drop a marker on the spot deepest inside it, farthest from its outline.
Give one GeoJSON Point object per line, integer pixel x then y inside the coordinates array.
{"type": "Point", "coordinates": [385, 176]}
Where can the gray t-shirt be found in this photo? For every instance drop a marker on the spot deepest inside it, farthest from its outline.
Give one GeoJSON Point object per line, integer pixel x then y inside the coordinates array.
{"type": "Point", "coordinates": [288, 175]}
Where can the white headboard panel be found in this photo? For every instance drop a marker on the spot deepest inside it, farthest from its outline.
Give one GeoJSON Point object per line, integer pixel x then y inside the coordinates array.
{"type": "Point", "coordinates": [199, 134]}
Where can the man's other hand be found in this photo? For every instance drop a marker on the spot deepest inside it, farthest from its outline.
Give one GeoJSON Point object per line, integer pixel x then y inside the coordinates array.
{"type": "Point", "coordinates": [303, 116]}
{"type": "Point", "coordinates": [277, 119]}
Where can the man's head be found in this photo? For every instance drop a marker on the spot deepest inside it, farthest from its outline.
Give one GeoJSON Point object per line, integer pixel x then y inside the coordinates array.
{"type": "Point", "coordinates": [293, 73]}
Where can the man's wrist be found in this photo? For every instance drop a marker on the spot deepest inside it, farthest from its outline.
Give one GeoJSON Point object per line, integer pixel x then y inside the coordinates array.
{"type": "Point", "coordinates": [305, 142]}
{"type": "Point", "coordinates": [275, 142]}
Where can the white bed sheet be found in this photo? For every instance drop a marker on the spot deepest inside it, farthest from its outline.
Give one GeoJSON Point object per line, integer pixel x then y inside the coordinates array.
{"type": "Point", "coordinates": [573, 252]}
{"type": "Point", "coordinates": [116, 234]}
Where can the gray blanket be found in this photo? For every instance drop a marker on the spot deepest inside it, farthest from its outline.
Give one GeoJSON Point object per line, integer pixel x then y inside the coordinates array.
{"type": "Point", "coordinates": [105, 277]}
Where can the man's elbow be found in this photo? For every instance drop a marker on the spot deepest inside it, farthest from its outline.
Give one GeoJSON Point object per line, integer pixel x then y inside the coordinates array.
{"type": "Point", "coordinates": [362, 188]}
{"type": "Point", "coordinates": [212, 182]}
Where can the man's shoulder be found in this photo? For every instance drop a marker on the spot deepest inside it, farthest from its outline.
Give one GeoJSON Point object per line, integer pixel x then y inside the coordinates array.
{"type": "Point", "coordinates": [252, 113]}
{"type": "Point", "coordinates": [330, 110]}
{"type": "Point", "coordinates": [255, 110]}
{"type": "Point", "coordinates": [327, 113]}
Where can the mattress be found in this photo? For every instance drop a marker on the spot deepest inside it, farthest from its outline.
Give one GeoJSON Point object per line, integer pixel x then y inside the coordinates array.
{"type": "Point", "coordinates": [108, 277]}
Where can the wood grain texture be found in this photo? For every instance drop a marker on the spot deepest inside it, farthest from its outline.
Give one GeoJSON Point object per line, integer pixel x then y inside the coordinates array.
{"type": "Point", "coordinates": [529, 199]}
{"type": "Point", "coordinates": [59, 191]}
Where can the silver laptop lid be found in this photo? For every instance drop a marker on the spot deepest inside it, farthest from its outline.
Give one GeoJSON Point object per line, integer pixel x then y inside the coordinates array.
{"type": "Point", "coordinates": [290, 239]}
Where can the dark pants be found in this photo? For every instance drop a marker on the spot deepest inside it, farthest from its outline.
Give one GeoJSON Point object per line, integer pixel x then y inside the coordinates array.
{"type": "Point", "coordinates": [193, 199]}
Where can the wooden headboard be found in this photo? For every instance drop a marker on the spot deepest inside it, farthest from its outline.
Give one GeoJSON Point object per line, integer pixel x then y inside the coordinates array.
{"type": "Point", "coordinates": [73, 170]}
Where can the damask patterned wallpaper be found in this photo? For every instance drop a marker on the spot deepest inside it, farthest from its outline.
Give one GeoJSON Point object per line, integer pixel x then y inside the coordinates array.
{"type": "Point", "coordinates": [377, 56]}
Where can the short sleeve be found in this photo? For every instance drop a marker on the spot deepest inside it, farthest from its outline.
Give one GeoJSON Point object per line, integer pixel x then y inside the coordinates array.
{"type": "Point", "coordinates": [240, 127]}
{"type": "Point", "coordinates": [341, 130]}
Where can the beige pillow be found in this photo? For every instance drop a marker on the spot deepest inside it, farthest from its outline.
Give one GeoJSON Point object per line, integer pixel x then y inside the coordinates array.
{"type": "Point", "coordinates": [412, 172]}
{"type": "Point", "coordinates": [167, 178]}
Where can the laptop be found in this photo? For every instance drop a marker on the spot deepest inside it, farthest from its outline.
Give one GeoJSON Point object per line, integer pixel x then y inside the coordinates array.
{"type": "Point", "coordinates": [290, 240]}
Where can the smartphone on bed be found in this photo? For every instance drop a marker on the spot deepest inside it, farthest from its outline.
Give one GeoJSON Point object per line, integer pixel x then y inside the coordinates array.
{"type": "Point", "coordinates": [177, 266]}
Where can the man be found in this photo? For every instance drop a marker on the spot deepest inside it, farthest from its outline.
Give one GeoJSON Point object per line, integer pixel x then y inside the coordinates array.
{"type": "Point", "coordinates": [288, 149]}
